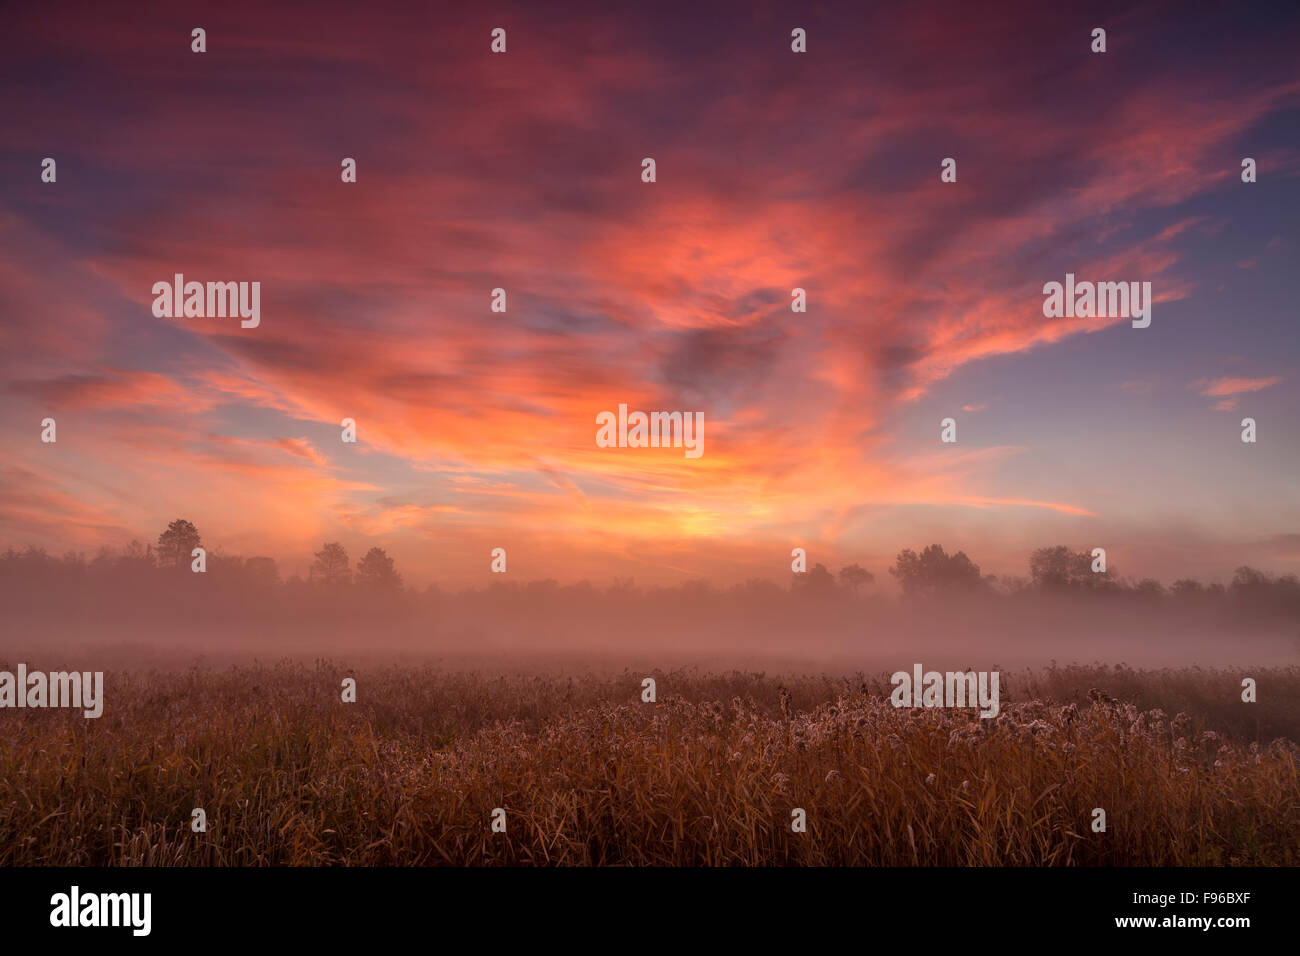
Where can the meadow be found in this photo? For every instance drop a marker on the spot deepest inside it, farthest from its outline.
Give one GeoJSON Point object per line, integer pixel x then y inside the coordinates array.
{"type": "Point", "coordinates": [707, 775]}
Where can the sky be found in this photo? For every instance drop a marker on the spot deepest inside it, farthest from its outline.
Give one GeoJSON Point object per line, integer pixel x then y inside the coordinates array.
{"type": "Point", "coordinates": [775, 170]}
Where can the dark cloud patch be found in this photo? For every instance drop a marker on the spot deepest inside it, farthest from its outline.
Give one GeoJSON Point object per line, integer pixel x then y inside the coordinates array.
{"type": "Point", "coordinates": [721, 364]}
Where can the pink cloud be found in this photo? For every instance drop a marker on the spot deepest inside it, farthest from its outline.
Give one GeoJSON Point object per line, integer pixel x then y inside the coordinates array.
{"type": "Point", "coordinates": [1235, 386]}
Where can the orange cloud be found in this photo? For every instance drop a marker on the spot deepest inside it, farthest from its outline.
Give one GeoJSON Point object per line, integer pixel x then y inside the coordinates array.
{"type": "Point", "coordinates": [1235, 386]}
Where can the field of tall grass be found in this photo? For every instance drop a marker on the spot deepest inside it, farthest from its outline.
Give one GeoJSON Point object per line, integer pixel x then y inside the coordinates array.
{"type": "Point", "coordinates": [588, 774]}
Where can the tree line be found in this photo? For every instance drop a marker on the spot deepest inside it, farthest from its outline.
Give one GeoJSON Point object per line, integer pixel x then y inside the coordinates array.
{"type": "Point", "coordinates": [151, 572]}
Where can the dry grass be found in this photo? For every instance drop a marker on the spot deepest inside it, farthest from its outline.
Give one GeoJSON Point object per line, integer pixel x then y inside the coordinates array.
{"type": "Point", "coordinates": [588, 774]}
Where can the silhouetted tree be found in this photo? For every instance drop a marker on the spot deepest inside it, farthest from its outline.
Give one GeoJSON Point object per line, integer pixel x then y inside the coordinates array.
{"type": "Point", "coordinates": [1060, 569]}
{"type": "Point", "coordinates": [1257, 593]}
{"type": "Point", "coordinates": [376, 571]}
{"type": "Point", "coordinates": [855, 577]}
{"type": "Point", "coordinates": [817, 581]}
{"type": "Point", "coordinates": [176, 544]}
{"type": "Point", "coordinates": [1246, 579]}
{"type": "Point", "coordinates": [1150, 587]}
{"type": "Point", "coordinates": [934, 570]}
{"type": "Point", "coordinates": [262, 571]}
{"type": "Point", "coordinates": [623, 589]}
{"type": "Point", "coordinates": [331, 565]}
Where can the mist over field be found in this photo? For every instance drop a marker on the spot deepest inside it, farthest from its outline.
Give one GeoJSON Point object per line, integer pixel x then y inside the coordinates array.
{"type": "Point", "coordinates": [140, 606]}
